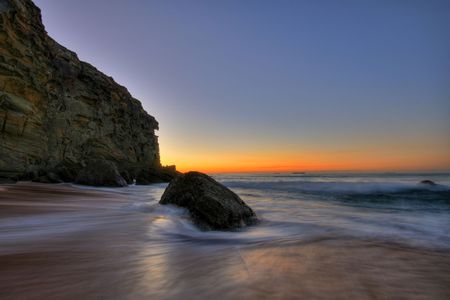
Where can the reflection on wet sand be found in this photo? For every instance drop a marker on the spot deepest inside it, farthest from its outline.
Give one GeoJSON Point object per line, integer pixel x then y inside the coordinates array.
{"type": "Point", "coordinates": [322, 270]}
{"type": "Point", "coordinates": [127, 254]}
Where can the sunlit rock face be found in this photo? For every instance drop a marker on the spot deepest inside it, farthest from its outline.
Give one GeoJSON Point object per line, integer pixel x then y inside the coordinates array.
{"type": "Point", "coordinates": [56, 112]}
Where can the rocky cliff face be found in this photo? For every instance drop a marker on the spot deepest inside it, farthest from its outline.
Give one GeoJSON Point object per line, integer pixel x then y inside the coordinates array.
{"type": "Point", "coordinates": [57, 112]}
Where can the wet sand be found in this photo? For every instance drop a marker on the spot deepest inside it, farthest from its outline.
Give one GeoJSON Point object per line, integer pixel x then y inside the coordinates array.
{"type": "Point", "coordinates": [115, 253]}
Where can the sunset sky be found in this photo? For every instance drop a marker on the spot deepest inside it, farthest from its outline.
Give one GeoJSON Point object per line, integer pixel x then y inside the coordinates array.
{"type": "Point", "coordinates": [277, 85]}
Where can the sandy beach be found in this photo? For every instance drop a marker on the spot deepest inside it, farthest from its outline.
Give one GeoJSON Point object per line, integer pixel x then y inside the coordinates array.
{"type": "Point", "coordinates": [224, 150]}
{"type": "Point", "coordinates": [87, 246]}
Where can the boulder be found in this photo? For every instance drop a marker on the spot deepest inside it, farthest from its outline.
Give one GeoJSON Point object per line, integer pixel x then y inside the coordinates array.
{"type": "Point", "coordinates": [167, 173]}
{"type": "Point", "coordinates": [148, 177]}
{"type": "Point", "coordinates": [126, 175]}
{"type": "Point", "coordinates": [7, 180]}
{"type": "Point", "coordinates": [67, 171]}
{"type": "Point", "coordinates": [211, 204]}
{"type": "Point", "coordinates": [48, 178]}
{"type": "Point", "coordinates": [100, 172]}
{"type": "Point", "coordinates": [428, 182]}
{"type": "Point", "coordinates": [161, 174]}
{"type": "Point", "coordinates": [7, 177]}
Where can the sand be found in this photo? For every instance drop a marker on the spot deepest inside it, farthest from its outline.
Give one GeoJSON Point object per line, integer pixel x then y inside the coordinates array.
{"type": "Point", "coordinates": [114, 257]}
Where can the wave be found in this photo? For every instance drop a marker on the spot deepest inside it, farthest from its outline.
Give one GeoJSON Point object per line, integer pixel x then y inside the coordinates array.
{"type": "Point", "coordinates": [338, 187]}
{"type": "Point", "coordinates": [345, 191]}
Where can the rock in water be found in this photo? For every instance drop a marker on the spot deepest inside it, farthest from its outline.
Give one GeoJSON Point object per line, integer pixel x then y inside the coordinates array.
{"type": "Point", "coordinates": [100, 172]}
{"type": "Point", "coordinates": [211, 204]}
{"type": "Point", "coordinates": [57, 112]}
{"type": "Point", "coordinates": [428, 182]}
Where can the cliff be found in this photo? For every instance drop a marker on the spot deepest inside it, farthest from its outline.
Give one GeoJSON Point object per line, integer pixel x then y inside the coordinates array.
{"type": "Point", "coordinates": [57, 112]}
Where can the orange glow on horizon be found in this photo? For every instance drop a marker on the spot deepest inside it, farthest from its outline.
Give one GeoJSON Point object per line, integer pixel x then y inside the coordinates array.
{"type": "Point", "coordinates": [302, 168]}
{"type": "Point", "coordinates": [358, 162]}
{"type": "Point", "coordinates": [376, 154]}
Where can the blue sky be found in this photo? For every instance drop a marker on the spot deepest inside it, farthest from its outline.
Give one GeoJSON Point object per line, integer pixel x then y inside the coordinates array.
{"type": "Point", "coordinates": [241, 80]}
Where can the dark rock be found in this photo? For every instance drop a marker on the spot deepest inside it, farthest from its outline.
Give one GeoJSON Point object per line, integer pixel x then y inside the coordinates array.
{"type": "Point", "coordinates": [211, 204]}
{"type": "Point", "coordinates": [167, 173]}
{"type": "Point", "coordinates": [29, 175]}
{"type": "Point", "coordinates": [48, 178]}
{"type": "Point", "coordinates": [428, 182]}
{"type": "Point", "coordinates": [7, 177]}
{"type": "Point", "coordinates": [7, 180]}
{"type": "Point", "coordinates": [126, 176]}
{"type": "Point", "coordinates": [162, 174]}
{"type": "Point", "coordinates": [100, 172]}
{"type": "Point", "coordinates": [67, 171]}
{"type": "Point", "coordinates": [148, 177]}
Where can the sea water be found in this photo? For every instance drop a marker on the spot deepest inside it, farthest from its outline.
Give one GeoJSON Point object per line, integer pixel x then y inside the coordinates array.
{"type": "Point", "coordinates": [296, 207]}
{"type": "Point", "coordinates": [340, 235]}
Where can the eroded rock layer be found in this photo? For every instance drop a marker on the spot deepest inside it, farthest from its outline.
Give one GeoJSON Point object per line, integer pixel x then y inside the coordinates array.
{"type": "Point", "coordinates": [57, 112]}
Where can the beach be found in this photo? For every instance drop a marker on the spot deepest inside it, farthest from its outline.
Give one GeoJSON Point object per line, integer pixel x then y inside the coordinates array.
{"type": "Point", "coordinates": [224, 150]}
{"type": "Point", "coordinates": [70, 242]}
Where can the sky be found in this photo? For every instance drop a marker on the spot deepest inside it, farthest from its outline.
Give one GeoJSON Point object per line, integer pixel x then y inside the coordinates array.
{"type": "Point", "coordinates": [257, 85]}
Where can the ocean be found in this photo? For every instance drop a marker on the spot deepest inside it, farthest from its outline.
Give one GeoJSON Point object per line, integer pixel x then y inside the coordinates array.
{"type": "Point", "coordinates": [390, 207]}
{"type": "Point", "coordinates": [319, 236]}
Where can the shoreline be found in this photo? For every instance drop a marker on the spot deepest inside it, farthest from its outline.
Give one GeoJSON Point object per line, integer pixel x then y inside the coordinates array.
{"type": "Point", "coordinates": [117, 256]}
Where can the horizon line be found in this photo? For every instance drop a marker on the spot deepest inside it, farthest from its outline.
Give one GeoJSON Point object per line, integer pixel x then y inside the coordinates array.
{"type": "Point", "coordinates": [299, 172]}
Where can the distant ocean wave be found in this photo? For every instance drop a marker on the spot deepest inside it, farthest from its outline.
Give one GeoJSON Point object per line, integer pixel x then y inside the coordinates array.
{"type": "Point", "coordinates": [340, 187]}
{"type": "Point", "coordinates": [386, 194]}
